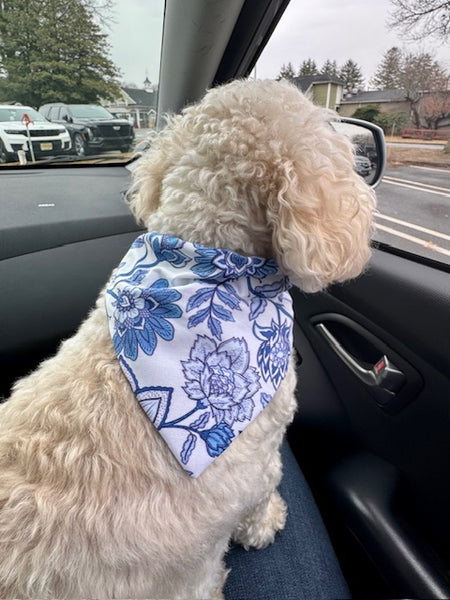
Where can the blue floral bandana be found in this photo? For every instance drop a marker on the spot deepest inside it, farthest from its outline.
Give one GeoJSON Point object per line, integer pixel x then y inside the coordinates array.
{"type": "Point", "coordinates": [204, 338]}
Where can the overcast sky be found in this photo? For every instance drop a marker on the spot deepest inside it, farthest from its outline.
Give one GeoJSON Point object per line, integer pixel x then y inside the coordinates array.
{"type": "Point", "coordinates": [317, 29]}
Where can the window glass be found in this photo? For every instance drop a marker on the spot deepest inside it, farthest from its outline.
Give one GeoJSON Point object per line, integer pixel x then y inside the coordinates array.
{"type": "Point", "coordinates": [376, 61]}
{"type": "Point", "coordinates": [83, 111]}
{"type": "Point", "coordinates": [101, 61]}
{"type": "Point", "coordinates": [17, 113]}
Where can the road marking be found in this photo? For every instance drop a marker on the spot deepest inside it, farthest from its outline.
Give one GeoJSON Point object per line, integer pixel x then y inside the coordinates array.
{"type": "Point", "coordinates": [414, 239]}
{"type": "Point", "coordinates": [444, 236]}
{"type": "Point", "coordinates": [417, 184]}
{"type": "Point", "coordinates": [429, 168]}
{"type": "Point", "coordinates": [417, 188]}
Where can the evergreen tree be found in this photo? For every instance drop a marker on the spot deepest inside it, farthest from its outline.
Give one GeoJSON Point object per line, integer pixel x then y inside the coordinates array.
{"type": "Point", "coordinates": [351, 75]}
{"type": "Point", "coordinates": [330, 68]}
{"type": "Point", "coordinates": [286, 72]}
{"type": "Point", "coordinates": [308, 67]}
{"type": "Point", "coordinates": [52, 50]}
{"type": "Point", "coordinates": [388, 73]}
{"type": "Point", "coordinates": [369, 112]}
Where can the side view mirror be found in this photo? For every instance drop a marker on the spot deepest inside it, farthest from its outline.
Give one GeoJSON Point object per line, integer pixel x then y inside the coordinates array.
{"type": "Point", "coordinates": [370, 147]}
{"type": "Point", "coordinates": [67, 118]}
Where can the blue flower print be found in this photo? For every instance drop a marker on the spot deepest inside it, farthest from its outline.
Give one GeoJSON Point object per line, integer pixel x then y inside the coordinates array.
{"type": "Point", "coordinates": [224, 264]}
{"type": "Point", "coordinates": [142, 314]}
{"type": "Point", "coordinates": [265, 399]}
{"type": "Point", "coordinates": [217, 439]}
{"type": "Point", "coordinates": [219, 375]}
{"type": "Point", "coordinates": [128, 304]}
{"type": "Point", "coordinates": [274, 352]}
{"type": "Point", "coordinates": [168, 248]}
{"type": "Point", "coordinates": [138, 242]}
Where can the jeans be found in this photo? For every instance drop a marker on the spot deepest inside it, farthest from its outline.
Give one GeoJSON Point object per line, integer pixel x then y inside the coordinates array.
{"type": "Point", "coordinates": [300, 564]}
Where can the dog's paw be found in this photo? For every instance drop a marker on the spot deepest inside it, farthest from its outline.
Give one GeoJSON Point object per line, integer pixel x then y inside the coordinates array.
{"type": "Point", "coordinates": [259, 528]}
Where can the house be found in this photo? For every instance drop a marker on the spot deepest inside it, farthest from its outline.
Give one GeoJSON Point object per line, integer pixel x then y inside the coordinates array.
{"type": "Point", "coordinates": [323, 90]}
{"type": "Point", "coordinates": [389, 101]}
{"type": "Point", "coordinates": [431, 111]}
{"type": "Point", "coordinates": [137, 104]}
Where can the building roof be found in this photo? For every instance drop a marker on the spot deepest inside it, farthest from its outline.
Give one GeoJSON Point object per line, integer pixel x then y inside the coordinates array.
{"type": "Point", "coordinates": [374, 96]}
{"type": "Point", "coordinates": [304, 82]}
{"type": "Point", "coordinates": [141, 97]}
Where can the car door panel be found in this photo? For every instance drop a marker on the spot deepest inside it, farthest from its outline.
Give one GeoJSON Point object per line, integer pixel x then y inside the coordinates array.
{"type": "Point", "coordinates": [399, 308]}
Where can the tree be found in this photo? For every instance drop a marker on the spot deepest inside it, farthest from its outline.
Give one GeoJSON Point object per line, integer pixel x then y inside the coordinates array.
{"type": "Point", "coordinates": [391, 123]}
{"type": "Point", "coordinates": [435, 108]}
{"type": "Point", "coordinates": [329, 68]}
{"type": "Point", "coordinates": [420, 19]}
{"type": "Point", "coordinates": [388, 73]}
{"type": "Point", "coordinates": [423, 80]}
{"type": "Point", "coordinates": [420, 76]}
{"type": "Point", "coordinates": [351, 75]}
{"type": "Point", "coordinates": [70, 65]}
{"type": "Point", "coordinates": [369, 112]}
{"type": "Point", "coordinates": [308, 67]}
{"type": "Point", "coordinates": [286, 72]}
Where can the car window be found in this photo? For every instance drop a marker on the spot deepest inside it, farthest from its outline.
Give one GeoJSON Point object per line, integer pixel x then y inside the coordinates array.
{"type": "Point", "coordinates": [371, 62]}
{"type": "Point", "coordinates": [53, 113]}
{"type": "Point", "coordinates": [96, 76]}
{"type": "Point", "coordinates": [82, 111]}
{"type": "Point", "coordinates": [17, 113]}
{"type": "Point", "coordinates": [63, 112]}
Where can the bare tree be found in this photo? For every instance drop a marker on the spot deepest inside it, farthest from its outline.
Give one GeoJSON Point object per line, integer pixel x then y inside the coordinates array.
{"type": "Point", "coordinates": [435, 108]}
{"type": "Point", "coordinates": [419, 19]}
{"type": "Point", "coordinates": [421, 76]}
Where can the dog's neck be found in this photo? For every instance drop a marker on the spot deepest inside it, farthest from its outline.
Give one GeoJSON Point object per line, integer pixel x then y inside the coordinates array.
{"type": "Point", "coordinates": [211, 227]}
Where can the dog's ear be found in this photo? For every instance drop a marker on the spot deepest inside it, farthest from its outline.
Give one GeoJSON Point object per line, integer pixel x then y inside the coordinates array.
{"type": "Point", "coordinates": [321, 216]}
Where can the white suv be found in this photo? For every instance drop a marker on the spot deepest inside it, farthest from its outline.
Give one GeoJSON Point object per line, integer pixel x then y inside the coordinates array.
{"type": "Point", "coordinates": [23, 128]}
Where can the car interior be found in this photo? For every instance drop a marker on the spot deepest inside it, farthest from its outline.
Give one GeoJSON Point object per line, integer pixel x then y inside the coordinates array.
{"type": "Point", "coordinates": [371, 433]}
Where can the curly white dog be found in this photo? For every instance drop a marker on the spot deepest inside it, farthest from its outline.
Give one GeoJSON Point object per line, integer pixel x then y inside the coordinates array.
{"type": "Point", "coordinates": [108, 487]}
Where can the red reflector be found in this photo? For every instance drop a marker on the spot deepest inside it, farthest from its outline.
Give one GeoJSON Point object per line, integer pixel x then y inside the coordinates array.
{"type": "Point", "coordinates": [380, 366]}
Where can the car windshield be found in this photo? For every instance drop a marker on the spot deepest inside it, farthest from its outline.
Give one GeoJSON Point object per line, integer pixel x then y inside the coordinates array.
{"type": "Point", "coordinates": [96, 68]}
{"type": "Point", "coordinates": [17, 113]}
{"type": "Point", "coordinates": [89, 111]}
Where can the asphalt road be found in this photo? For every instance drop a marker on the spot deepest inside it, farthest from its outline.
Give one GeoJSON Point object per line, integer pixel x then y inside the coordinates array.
{"type": "Point", "coordinates": [414, 207]}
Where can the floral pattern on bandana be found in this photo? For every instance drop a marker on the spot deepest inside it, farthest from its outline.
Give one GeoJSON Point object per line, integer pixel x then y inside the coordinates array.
{"type": "Point", "coordinates": [203, 336]}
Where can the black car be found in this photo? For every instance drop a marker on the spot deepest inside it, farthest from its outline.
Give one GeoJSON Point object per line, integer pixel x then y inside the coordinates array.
{"type": "Point", "coordinates": [92, 128]}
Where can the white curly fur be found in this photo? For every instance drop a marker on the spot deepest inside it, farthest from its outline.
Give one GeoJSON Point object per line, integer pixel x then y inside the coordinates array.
{"type": "Point", "coordinates": [92, 502]}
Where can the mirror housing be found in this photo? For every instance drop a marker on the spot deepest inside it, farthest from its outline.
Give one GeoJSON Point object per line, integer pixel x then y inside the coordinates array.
{"type": "Point", "coordinates": [370, 147]}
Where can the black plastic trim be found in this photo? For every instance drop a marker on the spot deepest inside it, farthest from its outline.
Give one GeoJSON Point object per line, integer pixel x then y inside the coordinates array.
{"type": "Point", "coordinates": [255, 25]}
{"type": "Point", "coordinates": [368, 494]}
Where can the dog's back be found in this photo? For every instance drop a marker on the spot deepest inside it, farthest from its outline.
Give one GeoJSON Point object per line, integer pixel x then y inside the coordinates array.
{"type": "Point", "coordinates": [93, 504]}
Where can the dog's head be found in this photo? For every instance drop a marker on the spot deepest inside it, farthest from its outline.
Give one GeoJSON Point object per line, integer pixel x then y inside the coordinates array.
{"type": "Point", "coordinates": [256, 167]}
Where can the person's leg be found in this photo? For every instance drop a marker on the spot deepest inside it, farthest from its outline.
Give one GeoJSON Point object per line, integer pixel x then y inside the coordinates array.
{"type": "Point", "coordinates": [300, 564]}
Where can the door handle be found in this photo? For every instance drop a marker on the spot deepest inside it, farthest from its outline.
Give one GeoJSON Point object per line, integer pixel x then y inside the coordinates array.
{"type": "Point", "coordinates": [383, 377]}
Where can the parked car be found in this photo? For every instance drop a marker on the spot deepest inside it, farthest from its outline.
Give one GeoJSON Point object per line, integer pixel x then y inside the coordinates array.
{"type": "Point", "coordinates": [21, 126]}
{"type": "Point", "coordinates": [362, 165]}
{"type": "Point", "coordinates": [92, 128]}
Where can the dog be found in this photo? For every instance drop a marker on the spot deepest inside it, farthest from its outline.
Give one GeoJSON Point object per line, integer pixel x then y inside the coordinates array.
{"type": "Point", "coordinates": [93, 501]}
